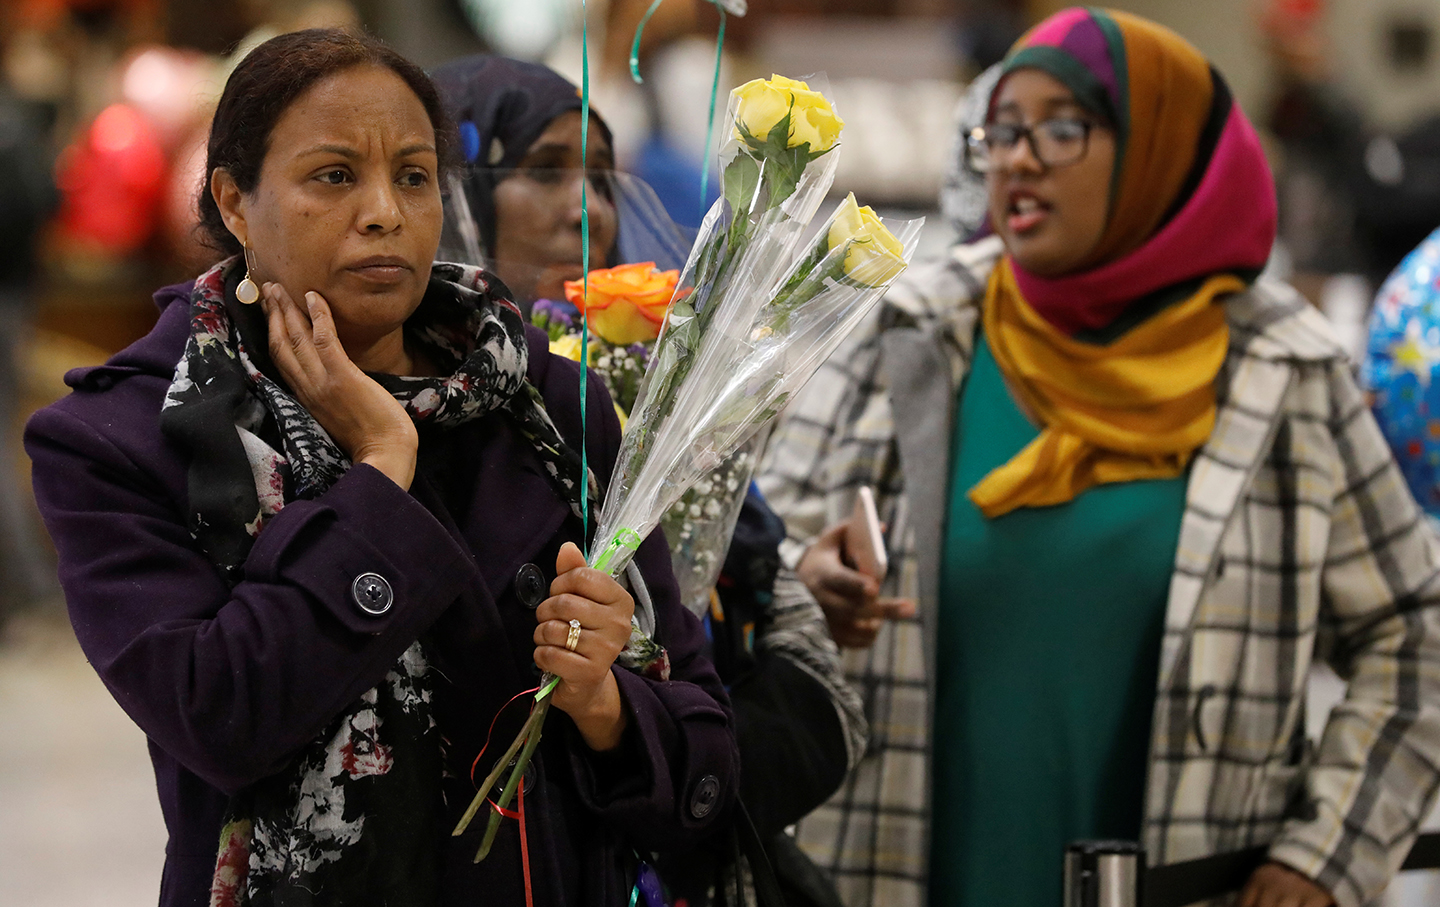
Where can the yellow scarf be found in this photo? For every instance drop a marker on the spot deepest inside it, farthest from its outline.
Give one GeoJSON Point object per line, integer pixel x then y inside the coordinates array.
{"type": "Point", "coordinates": [1137, 408]}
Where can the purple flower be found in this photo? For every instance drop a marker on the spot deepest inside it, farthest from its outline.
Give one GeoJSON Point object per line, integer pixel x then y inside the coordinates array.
{"type": "Point", "coordinates": [559, 313]}
{"type": "Point", "coordinates": [641, 352]}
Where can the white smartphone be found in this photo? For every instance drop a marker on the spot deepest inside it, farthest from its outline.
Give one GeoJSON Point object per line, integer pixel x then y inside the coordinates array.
{"type": "Point", "coordinates": [864, 540]}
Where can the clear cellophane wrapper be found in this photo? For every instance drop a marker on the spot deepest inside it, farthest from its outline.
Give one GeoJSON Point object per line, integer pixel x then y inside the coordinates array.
{"type": "Point", "coordinates": [706, 395]}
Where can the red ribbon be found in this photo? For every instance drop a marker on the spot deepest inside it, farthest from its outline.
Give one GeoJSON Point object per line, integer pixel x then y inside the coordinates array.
{"type": "Point", "coordinates": [519, 813]}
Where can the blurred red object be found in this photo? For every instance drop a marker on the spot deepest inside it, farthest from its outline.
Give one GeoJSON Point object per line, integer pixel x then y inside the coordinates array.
{"type": "Point", "coordinates": [1291, 15]}
{"type": "Point", "coordinates": [171, 88]}
{"type": "Point", "coordinates": [1297, 40]}
{"type": "Point", "coordinates": [46, 13]}
{"type": "Point", "coordinates": [112, 182]}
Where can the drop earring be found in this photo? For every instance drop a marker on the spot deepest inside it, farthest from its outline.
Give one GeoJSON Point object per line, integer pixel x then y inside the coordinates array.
{"type": "Point", "coordinates": [247, 292]}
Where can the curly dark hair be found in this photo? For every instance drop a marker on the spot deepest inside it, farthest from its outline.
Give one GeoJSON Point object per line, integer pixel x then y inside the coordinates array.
{"type": "Point", "coordinates": [268, 81]}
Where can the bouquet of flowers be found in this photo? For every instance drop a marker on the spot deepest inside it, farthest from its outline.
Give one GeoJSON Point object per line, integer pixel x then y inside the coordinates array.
{"type": "Point", "coordinates": [625, 307]}
{"type": "Point", "coordinates": [714, 383]}
{"type": "Point", "coordinates": [751, 317]}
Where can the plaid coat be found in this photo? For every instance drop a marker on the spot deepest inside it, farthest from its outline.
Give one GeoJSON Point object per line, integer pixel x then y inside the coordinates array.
{"type": "Point", "coordinates": [1299, 540]}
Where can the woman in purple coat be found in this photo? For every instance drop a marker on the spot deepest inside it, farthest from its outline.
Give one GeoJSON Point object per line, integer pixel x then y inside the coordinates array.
{"type": "Point", "coordinates": [320, 526]}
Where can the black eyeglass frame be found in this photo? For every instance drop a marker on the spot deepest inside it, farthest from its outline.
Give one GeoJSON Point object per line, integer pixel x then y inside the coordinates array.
{"type": "Point", "coordinates": [976, 139]}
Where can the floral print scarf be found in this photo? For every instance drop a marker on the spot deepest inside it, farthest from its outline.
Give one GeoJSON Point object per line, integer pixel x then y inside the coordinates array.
{"type": "Point", "coordinates": [369, 785]}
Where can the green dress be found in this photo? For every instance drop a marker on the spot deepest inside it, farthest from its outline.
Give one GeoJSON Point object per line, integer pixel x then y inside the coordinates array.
{"type": "Point", "coordinates": [1049, 645]}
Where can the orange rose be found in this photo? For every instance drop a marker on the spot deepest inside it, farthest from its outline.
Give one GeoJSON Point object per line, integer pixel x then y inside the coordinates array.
{"type": "Point", "coordinates": [627, 303]}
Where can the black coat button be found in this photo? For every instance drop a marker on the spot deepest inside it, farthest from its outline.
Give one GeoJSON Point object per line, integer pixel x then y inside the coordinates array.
{"type": "Point", "coordinates": [702, 800]}
{"type": "Point", "coordinates": [530, 586]}
{"type": "Point", "coordinates": [527, 778]}
{"type": "Point", "coordinates": [372, 593]}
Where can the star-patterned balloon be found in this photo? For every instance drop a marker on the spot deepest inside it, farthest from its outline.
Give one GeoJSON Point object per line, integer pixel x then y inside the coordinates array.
{"type": "Point", "coordinates": [1401, 371]}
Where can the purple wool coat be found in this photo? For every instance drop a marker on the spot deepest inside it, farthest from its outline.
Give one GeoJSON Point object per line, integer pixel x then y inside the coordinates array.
{"type": "Point", "coordinates": [229, 683]}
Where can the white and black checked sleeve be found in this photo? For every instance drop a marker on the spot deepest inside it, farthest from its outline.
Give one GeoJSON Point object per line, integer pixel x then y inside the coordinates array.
{"type": "Point", "coordinates": [797, 472]}
{"type": "Point", "coordinates": [1376, 770]}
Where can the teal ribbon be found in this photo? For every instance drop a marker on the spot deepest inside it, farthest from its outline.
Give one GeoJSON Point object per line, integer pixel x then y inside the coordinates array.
{"type": "Point", "coordinates": [585, 265]}
{"type": "Point", "coordinates": [714, 86]}
{"type": "Point", "coordinates": [635, 45]}
{"type": "Point", "coordinates": [710, 124]}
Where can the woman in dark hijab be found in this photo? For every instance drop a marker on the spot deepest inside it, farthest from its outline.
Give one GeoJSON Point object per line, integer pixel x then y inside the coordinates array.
{"type": "Point", "coordinates": [520, 134]}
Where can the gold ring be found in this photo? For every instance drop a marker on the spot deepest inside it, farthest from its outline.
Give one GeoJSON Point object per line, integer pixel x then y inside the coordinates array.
{"type": "Point", "coordinates": [573, 640]}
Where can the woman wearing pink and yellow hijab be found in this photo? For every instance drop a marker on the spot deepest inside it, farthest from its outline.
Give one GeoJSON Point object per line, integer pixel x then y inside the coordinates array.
{"type": "Point", "coordinates": [1129, 486]}
{"type": "Point", "coordinates": [1137, 198]}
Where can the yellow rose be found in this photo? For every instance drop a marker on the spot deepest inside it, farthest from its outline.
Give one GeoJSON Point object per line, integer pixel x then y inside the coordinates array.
{"type": "Point", "coordinates": [873, 256]}
{"type": "Point", "coordinates": [567, 346]}
{"type": "Point", "coordinates": [764, 103]}
{"type": "Point", "coordinates": [626, 304]}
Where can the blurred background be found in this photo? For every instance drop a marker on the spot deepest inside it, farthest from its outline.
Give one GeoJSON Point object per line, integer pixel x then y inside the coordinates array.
{"type": "Point", "coordinates": [104, 106]}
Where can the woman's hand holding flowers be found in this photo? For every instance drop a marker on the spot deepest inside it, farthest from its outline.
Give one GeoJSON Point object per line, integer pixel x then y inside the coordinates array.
{"type": "Point", "coordinates": [587, 691]}
{"type": "Point", "coordinates": [362, 417]}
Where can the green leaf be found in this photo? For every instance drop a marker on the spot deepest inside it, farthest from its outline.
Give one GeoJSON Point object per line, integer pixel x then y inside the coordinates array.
{"type": "Point", "coordinates": [681, 313]}
{"type": "Point", "coordinates": [706, 267]}
{"type": "Point", "coordinates": [674, 356]}
{"type": "Point", "coordinates": [774, 409]}
{"type": "Point", "coordinates": [754, 143]}
{"type": "Point", "coordinates": [802, 284]}
{"type": "Point", "coordinates": [779, 136]}
{"type": "Point", "coordinates": [786, 166]}
{"type": "Point", "coordinates": [736, 239]}
{"type": "Point", "coordinates": [741, 177]}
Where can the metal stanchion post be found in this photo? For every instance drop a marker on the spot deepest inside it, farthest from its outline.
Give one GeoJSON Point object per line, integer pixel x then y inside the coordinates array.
{"type": "Point", "coordinates": [1114, 874]}
{"type": "Point", "coordinates": [1103, 874]}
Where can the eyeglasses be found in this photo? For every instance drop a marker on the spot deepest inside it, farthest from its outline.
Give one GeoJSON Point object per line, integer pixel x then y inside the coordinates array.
{"type": "Point", "coordinates": [1057, 142]}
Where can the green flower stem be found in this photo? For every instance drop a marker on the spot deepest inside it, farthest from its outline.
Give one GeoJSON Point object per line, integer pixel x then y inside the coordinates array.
{"type": "Point", "coordinates": [536, 715]}
{"type": "Point", "coordinates": [532, 740]}
{"type": "Point", "coordinates": [805, 281]}
{"type": "Point", "coordinates": [762, 175]}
